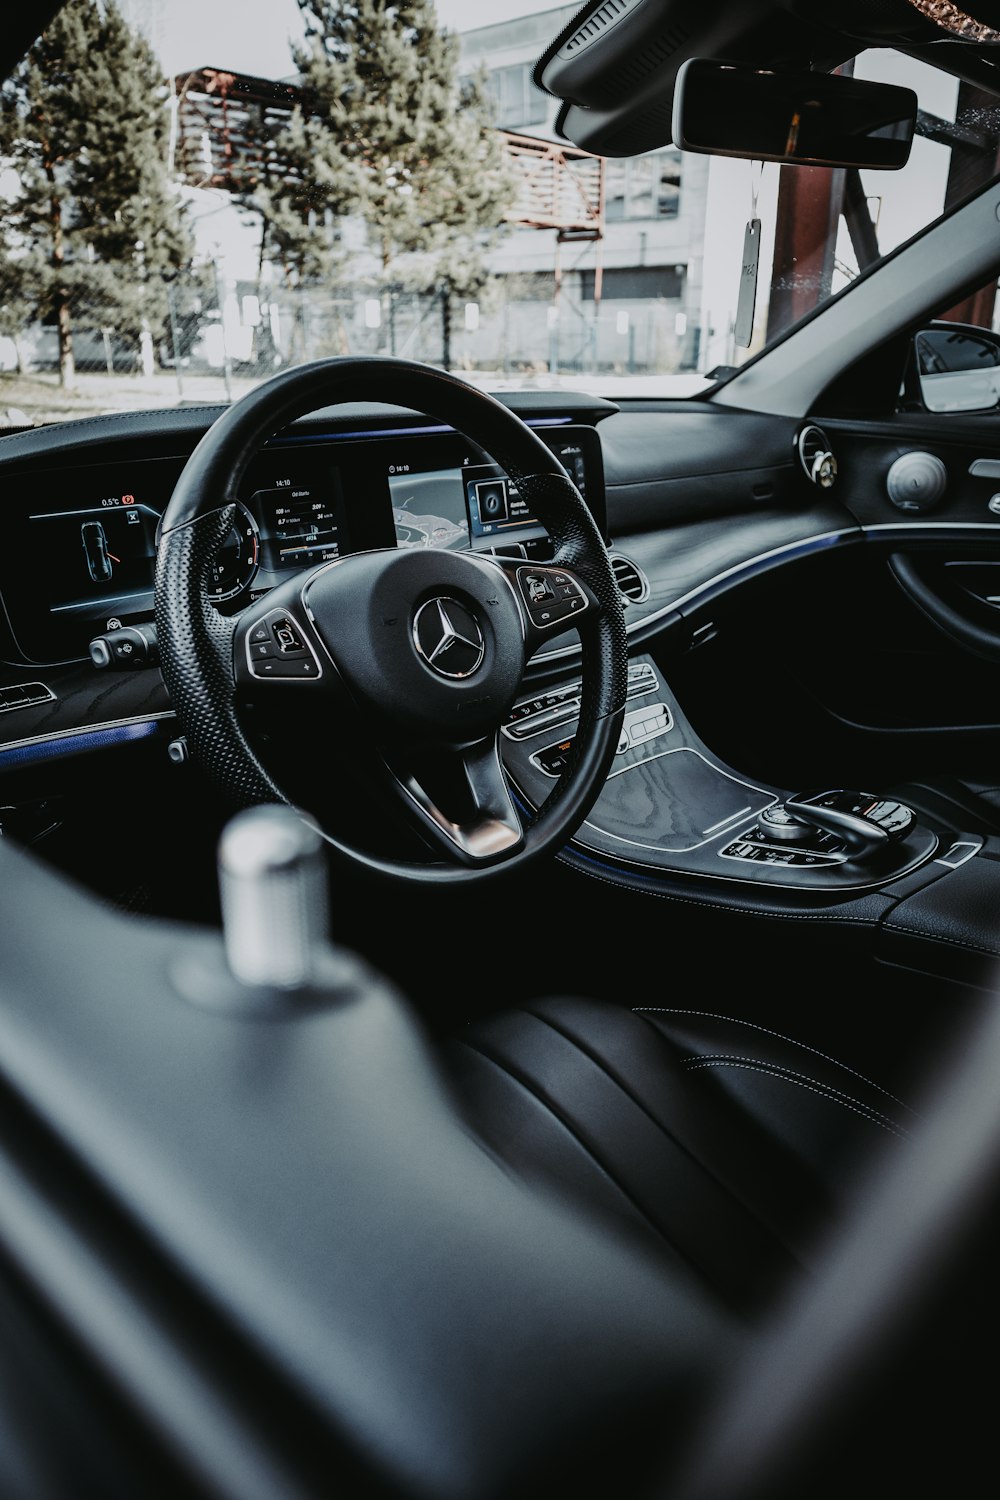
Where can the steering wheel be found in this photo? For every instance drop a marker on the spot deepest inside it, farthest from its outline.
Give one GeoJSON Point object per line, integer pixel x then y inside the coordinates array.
{"type": "Point", "coordinates": [420, 651]}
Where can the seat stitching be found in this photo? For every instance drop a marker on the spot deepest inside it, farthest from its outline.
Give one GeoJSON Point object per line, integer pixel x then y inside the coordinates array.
{"type": "Point", "coordinates": [694, 1062]}
{"type": "Point", "coordinates": [892, 926]}
{"type": "Point", "coordinates": [737, 1021]}
{"type": "Point", "coordinates": [757, 1068]}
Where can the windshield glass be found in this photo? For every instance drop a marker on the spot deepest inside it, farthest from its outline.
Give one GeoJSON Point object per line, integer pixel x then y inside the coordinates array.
{"type": "Point", "coordinates": [198, 193]}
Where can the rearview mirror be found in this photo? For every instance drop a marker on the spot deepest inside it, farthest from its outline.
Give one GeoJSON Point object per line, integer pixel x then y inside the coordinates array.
{"type": "Point", "coordinates": [816, 119]}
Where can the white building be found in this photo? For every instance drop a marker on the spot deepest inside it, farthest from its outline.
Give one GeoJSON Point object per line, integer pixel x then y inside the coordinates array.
{"type": "Point", "coordinates": [651, 253]}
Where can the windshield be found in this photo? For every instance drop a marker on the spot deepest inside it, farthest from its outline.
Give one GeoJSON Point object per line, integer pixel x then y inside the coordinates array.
{"type": "Point", "coordinates": [198, 193]}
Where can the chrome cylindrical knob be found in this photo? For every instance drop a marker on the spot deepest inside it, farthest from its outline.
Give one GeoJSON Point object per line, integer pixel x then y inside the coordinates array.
{"type": "Point", "coordinates": [273, 888]}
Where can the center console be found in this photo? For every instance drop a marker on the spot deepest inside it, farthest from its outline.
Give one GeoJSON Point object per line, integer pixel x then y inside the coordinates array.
{"type": "Point", "coordinates": [670, 807]}
{"type": "Point", "coordinates": [914, 887]}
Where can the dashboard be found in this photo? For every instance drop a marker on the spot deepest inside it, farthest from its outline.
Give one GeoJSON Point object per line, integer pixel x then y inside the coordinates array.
{"type": "Point", "coordinates": [717, 532]}
{"type": "Point", "coordinates": [80, 544]}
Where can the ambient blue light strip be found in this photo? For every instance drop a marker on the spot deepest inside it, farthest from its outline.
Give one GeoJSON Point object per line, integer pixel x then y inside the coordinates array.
{"type": "Point", "coordinates": [380, 432]}
{"type": "Point", "coordinates": [72, 744]}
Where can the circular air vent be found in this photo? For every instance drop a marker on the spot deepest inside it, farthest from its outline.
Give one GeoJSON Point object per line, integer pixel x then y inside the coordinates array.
{"type": "Point", "coordinates": [631, 579]}
{"type": "Point", "coordinates": [816, 457]}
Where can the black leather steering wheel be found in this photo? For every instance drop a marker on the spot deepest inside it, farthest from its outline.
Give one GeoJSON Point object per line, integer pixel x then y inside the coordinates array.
{"type": "Point", "coordinates": [421, 651]}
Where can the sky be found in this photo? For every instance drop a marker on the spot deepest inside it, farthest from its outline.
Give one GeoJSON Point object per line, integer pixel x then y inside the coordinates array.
{"type": "Point", "coordinates": [252, 36]}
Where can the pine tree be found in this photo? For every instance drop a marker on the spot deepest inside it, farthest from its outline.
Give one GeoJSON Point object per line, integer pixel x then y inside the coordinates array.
{"type": "Point", "coordinates": [392, 136]}
{"type": "Point", "coordinates": [96, 228]}
{"type": "Point", "coordinates": [15, 302]}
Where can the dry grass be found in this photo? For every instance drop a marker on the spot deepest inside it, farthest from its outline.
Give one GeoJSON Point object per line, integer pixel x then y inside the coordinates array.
{"type": "Point", "coordinates": [40, 399]}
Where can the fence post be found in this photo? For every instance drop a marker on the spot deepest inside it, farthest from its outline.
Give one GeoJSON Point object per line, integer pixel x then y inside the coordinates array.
{"type": "Point", "coordinates": [219, 302]}
{"type": "Point", "coordinates": [172, 314]}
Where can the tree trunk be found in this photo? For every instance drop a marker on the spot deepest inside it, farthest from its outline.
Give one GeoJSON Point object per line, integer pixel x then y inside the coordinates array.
{"type": "Point", "coordinates": [387, 331]}
{"type": "Point", "coordinates": [67, 364]}
{"type": "Point", "coordinates": [446, 327]}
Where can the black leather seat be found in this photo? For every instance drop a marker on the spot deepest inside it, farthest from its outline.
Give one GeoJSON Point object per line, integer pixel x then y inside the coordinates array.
{"type": "Point", "coordinates": [730, 1145]}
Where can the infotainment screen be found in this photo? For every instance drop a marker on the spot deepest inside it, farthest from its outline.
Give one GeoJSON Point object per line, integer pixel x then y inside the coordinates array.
{"type": "Point", "coordinates": [428, 510]}
{"type": "Point", "coordinates": [470, 502]}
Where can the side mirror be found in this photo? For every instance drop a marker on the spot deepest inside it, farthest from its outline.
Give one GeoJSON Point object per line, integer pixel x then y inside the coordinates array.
{"type": "Point", "coordinates": [815, 119]}
{"type": "Point", "coordinates": [957, 367]}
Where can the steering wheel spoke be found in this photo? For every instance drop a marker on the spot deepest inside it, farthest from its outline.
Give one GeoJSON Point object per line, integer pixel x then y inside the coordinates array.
{"type": "Point", "coordinates": [460, 797]}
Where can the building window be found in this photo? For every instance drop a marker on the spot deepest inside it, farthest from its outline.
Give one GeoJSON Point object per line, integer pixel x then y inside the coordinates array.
{"type": "Point", "coordinates": [643, 187]}
{"type": "Point", "coordinates": [516, 99]}
{"type": "Point", "coordinates": [635, 283]}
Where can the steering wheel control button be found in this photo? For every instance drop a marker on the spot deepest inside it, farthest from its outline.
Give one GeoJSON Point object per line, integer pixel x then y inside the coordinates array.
{"type": "Point", "coordinates": [296, 667]}
{"type": "Point", "coordinates": [448, 637]}
{"type": "Point", "coordinates": [276, 649]}
{"type": "Point", "coordinates": [287, 637]}
{"type": "Point", "coordinates": [549, 595]}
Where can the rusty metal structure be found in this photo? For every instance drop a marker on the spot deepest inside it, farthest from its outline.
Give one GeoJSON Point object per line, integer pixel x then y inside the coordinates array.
{"type": "Point", "coordinates": [561, 188]}
{"type": "Point", "coordinates": [227, 135]}
{"type": "Point", "coordinates": [226, 128]}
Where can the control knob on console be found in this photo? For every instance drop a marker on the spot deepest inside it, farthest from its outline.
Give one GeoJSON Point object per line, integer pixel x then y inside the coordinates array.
{"type": "Point", "coordinates": [863, 823]}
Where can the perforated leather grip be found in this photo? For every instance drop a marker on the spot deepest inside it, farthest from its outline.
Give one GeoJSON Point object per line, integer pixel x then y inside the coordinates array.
{"type": "Point", "coordinates": [196, 659]}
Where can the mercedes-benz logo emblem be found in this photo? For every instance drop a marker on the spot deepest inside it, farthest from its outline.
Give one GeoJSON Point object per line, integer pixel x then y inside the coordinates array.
{"type": "Point", "coordinates": [448, 637]}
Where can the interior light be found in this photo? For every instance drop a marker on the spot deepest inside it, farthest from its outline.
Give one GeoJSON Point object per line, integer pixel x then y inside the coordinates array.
{"type": "Point", "coordinates": [958, 22]}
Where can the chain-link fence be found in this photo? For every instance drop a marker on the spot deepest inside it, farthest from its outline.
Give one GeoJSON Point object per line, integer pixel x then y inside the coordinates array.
{"type": "Point", "coordinates": [203, 338]}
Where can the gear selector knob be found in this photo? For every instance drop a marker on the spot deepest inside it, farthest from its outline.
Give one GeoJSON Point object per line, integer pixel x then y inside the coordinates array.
{"type": "Point", "coordinates": [864, 823]}
{"type": "Point", "coordinates": [273, 889]}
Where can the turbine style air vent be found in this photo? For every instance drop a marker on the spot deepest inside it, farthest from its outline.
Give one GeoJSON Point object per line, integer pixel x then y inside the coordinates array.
{"type": "Point", "coordinates": [816, 458]}
{"type": "Point", "coordinates": [632, 580]}
{"type": "Point", "coordinates": [596, 25]}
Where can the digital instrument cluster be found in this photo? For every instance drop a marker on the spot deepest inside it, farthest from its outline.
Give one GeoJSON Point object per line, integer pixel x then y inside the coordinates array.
{"type": "Point", "coordinates": [81, 543]}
